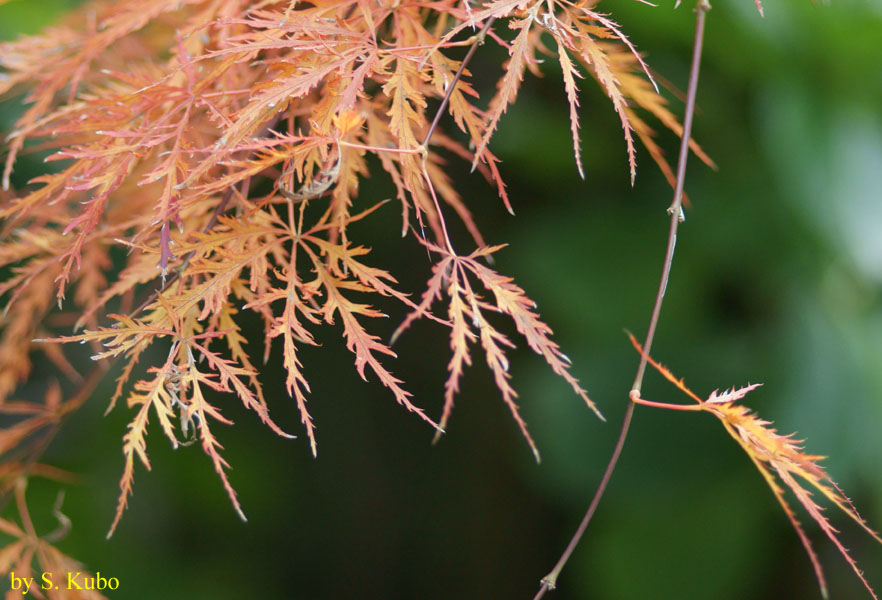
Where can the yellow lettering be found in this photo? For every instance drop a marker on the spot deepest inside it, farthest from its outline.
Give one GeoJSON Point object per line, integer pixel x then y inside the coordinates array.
{"type": "Point", "coordinates": [72, 581]}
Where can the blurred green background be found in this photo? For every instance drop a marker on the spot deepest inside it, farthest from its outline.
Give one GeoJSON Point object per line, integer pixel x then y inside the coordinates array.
{"type": "Point", "coordinates": [777, 279]}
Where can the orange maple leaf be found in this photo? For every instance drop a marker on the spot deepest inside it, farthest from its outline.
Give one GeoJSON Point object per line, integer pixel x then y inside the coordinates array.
{"type": "Point", "coordinates": [774, 454]}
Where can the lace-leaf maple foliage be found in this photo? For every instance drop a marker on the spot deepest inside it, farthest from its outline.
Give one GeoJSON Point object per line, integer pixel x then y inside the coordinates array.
{"type": "Point", "coordinates": [220, 145]}
{"type": "Point", "coordinates": [214, 149]}
{"type": "Point", "coordinates": [774, 454]}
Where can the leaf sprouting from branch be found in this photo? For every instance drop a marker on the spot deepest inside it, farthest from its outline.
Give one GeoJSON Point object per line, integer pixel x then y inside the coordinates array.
{"type": "Point", "coordinates": [774, 455]}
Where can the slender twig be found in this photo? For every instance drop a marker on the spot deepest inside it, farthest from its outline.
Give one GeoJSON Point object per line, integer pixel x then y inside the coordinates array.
{"type": "Point", "coordinates": [478, 39]}
{"type": "Point", "coordinates": [550, 580]}
{"type": "Point", "coordinates": [635, 398]}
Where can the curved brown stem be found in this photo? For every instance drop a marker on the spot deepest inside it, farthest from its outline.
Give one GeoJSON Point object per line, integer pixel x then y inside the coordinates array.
{"type": "Point", "coordinates": [550, 581]}
{"type": "Point", "coordinates": [478, 39]}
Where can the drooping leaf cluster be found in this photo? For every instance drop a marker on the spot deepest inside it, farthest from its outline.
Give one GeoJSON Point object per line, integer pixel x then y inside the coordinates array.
{"type": "Point", "coordinates": [779, 459]}
{"type": "Point", "coordinates": [215, 147]}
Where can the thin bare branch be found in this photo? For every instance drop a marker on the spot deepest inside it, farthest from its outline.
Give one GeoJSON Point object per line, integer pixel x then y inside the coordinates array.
{"type": "Point", "coordinates": [549, 582]}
